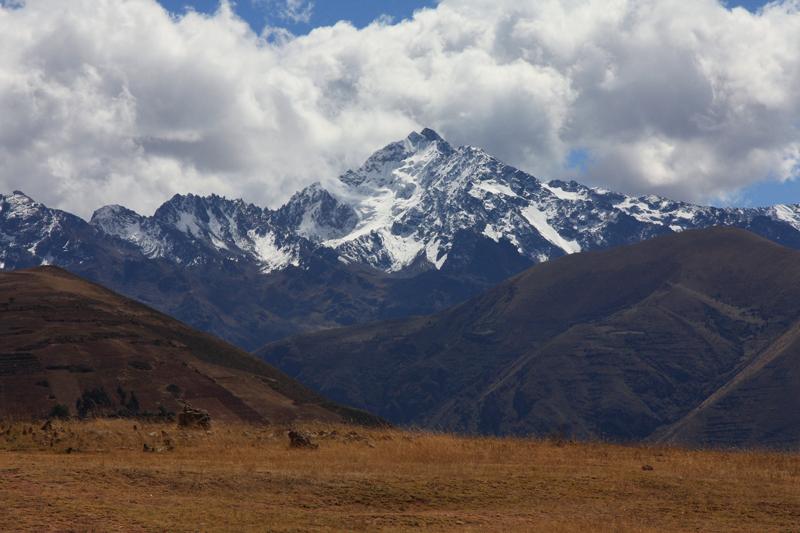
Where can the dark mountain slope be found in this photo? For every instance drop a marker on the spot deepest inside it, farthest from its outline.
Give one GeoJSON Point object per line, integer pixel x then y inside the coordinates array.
{"type": "Point", "coordinates": [66, 341]}
{"type": "Point", "coordinates": [613, 344]}
{"type": "Point", "coordinates": [764, 393]}
{"type": "Point", "coordinates": [239, 303]}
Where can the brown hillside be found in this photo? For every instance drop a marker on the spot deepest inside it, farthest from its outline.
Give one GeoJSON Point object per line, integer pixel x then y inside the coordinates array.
{"type": "Point", "coordinates": [69, 342]}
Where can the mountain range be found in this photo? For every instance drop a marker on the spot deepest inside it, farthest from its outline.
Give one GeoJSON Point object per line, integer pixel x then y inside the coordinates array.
{"type": "Point", "coordinates": [421, 226]}
{"type": "Point", "coordinates": [437, 286]}
{"type": "Point", "coordinates": [690, 338]}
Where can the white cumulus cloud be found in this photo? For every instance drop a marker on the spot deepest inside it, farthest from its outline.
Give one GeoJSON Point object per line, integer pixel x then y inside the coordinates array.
{"type": "Point", "coordinates": [107, 101]}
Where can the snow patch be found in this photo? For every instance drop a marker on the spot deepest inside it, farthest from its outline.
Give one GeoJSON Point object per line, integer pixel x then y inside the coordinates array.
{"type": "Point", "coordinates": [309, 228]}
{"type": "Point", "coordinates": [561, 194]}
{"type": "Point", "coordinates": [187, 223]}
{"type": "Point", "coordinates": [494, 187]}
{"type": "Point", "coordinates": [786, 214]}
{"type": "Point", "coordinates": [402, 250]}
{"type": "Point", "coordinates": [640, 211]}
{"type": "Point", "coordinates": [269, 254]}
{"type": "Point", "coordinates": [538, 220]}
{"type": "Point", "coordinates": [491, 232]}
{"type": "Point", "coordinates": [379, 201]}
{"type": "Point", "coordinates": [432, 252]}
{"type": "Point", "coordinates": [218, 243]}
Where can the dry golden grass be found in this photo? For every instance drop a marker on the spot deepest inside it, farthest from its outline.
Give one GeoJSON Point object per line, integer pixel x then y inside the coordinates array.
{"type": "Point", "coordinates": [248, 479]}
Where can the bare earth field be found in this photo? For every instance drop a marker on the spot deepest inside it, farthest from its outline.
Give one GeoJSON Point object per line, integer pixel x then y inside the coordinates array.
{"type": "Point", "coordinates": [119, 475]}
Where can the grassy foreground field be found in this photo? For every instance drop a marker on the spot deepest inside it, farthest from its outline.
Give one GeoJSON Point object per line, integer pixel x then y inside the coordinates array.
{"type": "Point", "coordinates": [98, 476]}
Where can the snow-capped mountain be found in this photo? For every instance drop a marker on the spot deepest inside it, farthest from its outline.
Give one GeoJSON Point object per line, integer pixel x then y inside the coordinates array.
{"type": "Point", "coordinates": [420, 226]}
{"type": "Point", "coordinates": [410, 199]}
{"type": "Point", "coordinates": [402, 210]}
{"type": "Point", "coordinates": [191, 229]}
{"type": "Point", "coordinates": [31, 234]}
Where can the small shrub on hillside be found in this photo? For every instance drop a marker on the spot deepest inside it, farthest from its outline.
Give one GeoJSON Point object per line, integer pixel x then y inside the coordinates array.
{"type": "Point", "coordinates": [133, 404]}
{"type": "Point", "coordinates": [59, 411]}
{"type": "Point", "coordinates": [92, 401]}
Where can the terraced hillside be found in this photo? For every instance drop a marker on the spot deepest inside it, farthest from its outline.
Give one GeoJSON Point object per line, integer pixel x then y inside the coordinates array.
{"type": "Point", "coordinates": [67, 344]}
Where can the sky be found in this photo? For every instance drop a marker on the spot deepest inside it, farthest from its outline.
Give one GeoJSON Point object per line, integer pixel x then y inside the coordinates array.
{"type": "Point", "coordinates": [309, 15]}
{"type": "Point", "coordinates": [132, 101]}
{"type": "Point", "coordinates": [306, 15]}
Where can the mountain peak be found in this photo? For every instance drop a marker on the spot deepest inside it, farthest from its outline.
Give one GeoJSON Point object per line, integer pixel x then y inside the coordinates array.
{"type": "Point", "coordinates": [21, 205]}
{"type": "Point", "coordinates": [417, 141]}
{"type": "Point", "coordinates": [111, 210]}
{"type": "Point", "coordinates": [316, 214]}
{"type": "Point", "coordinates": [115, 220]}
{"type": "Point", "coordinates": [315, 190]}
{"type": "Point", "coordinates": [20, 197]}
{"type": "Point", "coordinates": [431, 135]}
